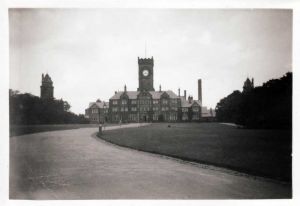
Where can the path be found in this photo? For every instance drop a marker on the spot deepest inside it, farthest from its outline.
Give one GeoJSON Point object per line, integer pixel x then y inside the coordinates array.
{"type": "Point", "coordinates": [72, 164]}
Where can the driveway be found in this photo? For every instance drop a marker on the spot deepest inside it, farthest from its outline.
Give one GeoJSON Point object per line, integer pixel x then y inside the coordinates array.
{"type": "Point", "coordinates": [74, 164]}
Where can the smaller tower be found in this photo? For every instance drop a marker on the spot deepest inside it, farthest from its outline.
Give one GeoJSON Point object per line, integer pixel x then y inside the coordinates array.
{"type": "Point", "coordinates": [248, 85]}
{"type": "Point", "coordinates": [47, 87]}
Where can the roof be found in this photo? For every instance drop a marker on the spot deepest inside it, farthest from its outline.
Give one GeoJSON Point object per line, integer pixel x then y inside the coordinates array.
{"type": "Point", "coordinates": [99, 104]}
{"type": "Point", "coordinates": [130, 94]}
{"type": "Point", "coordinates": [184, 102]}
{"type": "Point", "coordinates": [198, 102]}
{"type": "Point", "coordinates": [154, 94]}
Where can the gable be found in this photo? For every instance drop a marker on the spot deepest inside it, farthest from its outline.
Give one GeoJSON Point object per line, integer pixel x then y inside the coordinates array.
{"type": "Point", "coordinates": [164, 95]}
{"type": "Point", "coordinates": [144, 95]}
{"type": "Point", "coordinates": [195, 104]}
{"type": "Point", "coordinates": [124, 96]}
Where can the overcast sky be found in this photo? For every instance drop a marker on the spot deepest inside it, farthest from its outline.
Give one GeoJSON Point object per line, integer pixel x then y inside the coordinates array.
{"type": "Point", "coordinates": [90, 53]}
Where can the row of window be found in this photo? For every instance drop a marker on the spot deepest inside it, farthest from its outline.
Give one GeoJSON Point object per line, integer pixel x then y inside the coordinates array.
{"type": "Point", "coordinates": [145, 101]}
{"type": "Point", "coordinates": [96, 111]}
{"type": "Point", "coordinates": [155, 117]}
{"type": "Point", "coordinates": [145, 109]}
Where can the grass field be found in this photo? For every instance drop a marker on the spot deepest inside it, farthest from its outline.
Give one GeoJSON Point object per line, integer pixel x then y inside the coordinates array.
{"type": "Point", "coordinates": [264, 153]}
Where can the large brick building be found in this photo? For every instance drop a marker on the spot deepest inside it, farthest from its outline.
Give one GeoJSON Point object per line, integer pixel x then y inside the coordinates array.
{"type": "Point", "coordinates": [146, 104]}
{"type": "Point", "coordinates": [97, 112]}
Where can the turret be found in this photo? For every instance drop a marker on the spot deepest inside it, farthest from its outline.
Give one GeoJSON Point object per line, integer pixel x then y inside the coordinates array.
{"type": "Point", "coordinates": [47, 87]}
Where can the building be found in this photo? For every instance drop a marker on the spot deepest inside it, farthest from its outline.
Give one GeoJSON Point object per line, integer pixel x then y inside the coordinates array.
{"type": "Point", "coordinates": [248, 85]}
{"type": "Point", "coordinates": [47, 87]}
{"type": "Point", "coordinates": [97, 112]}
{"type": "Point", "coordinates": [145, 104]}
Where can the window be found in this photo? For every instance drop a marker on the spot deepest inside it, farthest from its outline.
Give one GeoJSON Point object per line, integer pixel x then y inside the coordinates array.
{"type": "Point", "coordinates": [114, 109]}
{"type": "Point", "coordinates": [155, 101]}
{"type": "Point", "coordinates": [95, 111]}
{"type": "Point", "coordinates": [195, 117]}
{"type": "Point", "coordinates": [174, 101]}
{"type": "Point", "coordinates": [165, 109]}
{"type": "Point", "coordinates": [165, 101]}
{"type": "Point", "coordinates": [116, 117]}
{"type": "Point", "coordinates": [132, 117]}
{"type": "Point", "coordinates": [133, 101]}
{"type": "Point", "coordinates": [185, 109]}
{"type": "Point", "coordinates": [133, 109]}
{"type": "Point", "coordinates": [115, 102]}
{"type": "Point", "coordinates": [185, 116]}
{"type": "Point", "coordinates": [195, 109]}
{"type": "Point", "coordinates": [173, 116]}
{"type": "Point", "coordinates": [124, 101]}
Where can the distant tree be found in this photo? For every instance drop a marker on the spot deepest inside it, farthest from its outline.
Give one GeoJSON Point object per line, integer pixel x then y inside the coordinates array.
{"type": "Point", "coordinates": [67, 106]}
{"type": "Point", "coordinates": [25, 109]}
{"type": "Point", "coordinates": [267, 106]}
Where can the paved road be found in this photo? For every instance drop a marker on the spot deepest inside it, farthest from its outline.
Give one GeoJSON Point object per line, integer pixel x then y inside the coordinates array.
{"type": "Point", "coordinates": [73, 164]}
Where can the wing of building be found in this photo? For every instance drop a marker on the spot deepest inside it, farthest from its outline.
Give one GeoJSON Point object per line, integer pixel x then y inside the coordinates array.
{"type": "Point", "coordinates": [97, 112]}
{"type": "Point", "coordinates": [146, 104]}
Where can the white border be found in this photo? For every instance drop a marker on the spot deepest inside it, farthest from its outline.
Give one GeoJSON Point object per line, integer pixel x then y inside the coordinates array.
{"type": "Point", "coordinates": [226, 4]}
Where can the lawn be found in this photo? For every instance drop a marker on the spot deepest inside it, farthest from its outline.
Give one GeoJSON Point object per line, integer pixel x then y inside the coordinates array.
{"type": "Point", "coordinates": [264, 153]}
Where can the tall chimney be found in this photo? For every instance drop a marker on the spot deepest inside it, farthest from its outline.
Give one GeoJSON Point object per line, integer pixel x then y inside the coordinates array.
{"type": "Point", "coordinates": [185, 94]}
{"type": "Point", "coordinates": [178, 92]}
{"type": "Point", "coordinates": [199, 90]}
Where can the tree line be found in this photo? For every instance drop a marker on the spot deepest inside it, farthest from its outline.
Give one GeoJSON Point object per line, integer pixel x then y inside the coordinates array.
{"type": "Point", "coordinates": [27, 109]}
{"type": "Point", "coordinates": [266, 106]}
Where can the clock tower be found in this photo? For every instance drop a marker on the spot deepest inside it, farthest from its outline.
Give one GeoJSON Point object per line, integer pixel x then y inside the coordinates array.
{"type": "Point", "coordinates": [145, 74]}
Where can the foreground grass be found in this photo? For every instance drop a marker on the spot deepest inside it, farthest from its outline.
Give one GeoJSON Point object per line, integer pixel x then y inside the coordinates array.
{"type": "Point", "coordinates": [264, 153]}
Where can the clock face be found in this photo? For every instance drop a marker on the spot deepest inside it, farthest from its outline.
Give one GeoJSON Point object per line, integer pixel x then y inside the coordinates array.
{"type": "Point", "coordinates": [145, 72]}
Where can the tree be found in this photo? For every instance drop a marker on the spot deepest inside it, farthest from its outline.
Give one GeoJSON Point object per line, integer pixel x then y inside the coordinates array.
{"type": "Point", "coordinates": [267, 106]}
{"type": "Point", "coordinates": [67, 106]}
{"type": "Point", "coordinates": [25, 109]}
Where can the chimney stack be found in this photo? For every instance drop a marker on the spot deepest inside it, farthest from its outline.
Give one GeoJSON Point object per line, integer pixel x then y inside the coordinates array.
{"type": "Point", "coordinates": [185, 94]}
{"type": "Point", "coordinates": [159, 88]}
{"type": "Point", "coordinates": [190, 99]}
{"type": "Point", "coordinates": [125, 88]}
{"type": "Point", "coordinates": [178, 92]}
{"type": "Point", "coordinates": [199, 90]}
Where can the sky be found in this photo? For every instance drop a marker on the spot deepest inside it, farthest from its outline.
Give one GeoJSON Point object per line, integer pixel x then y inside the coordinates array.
{"type": "Point", "coordinates": [90, 53]}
